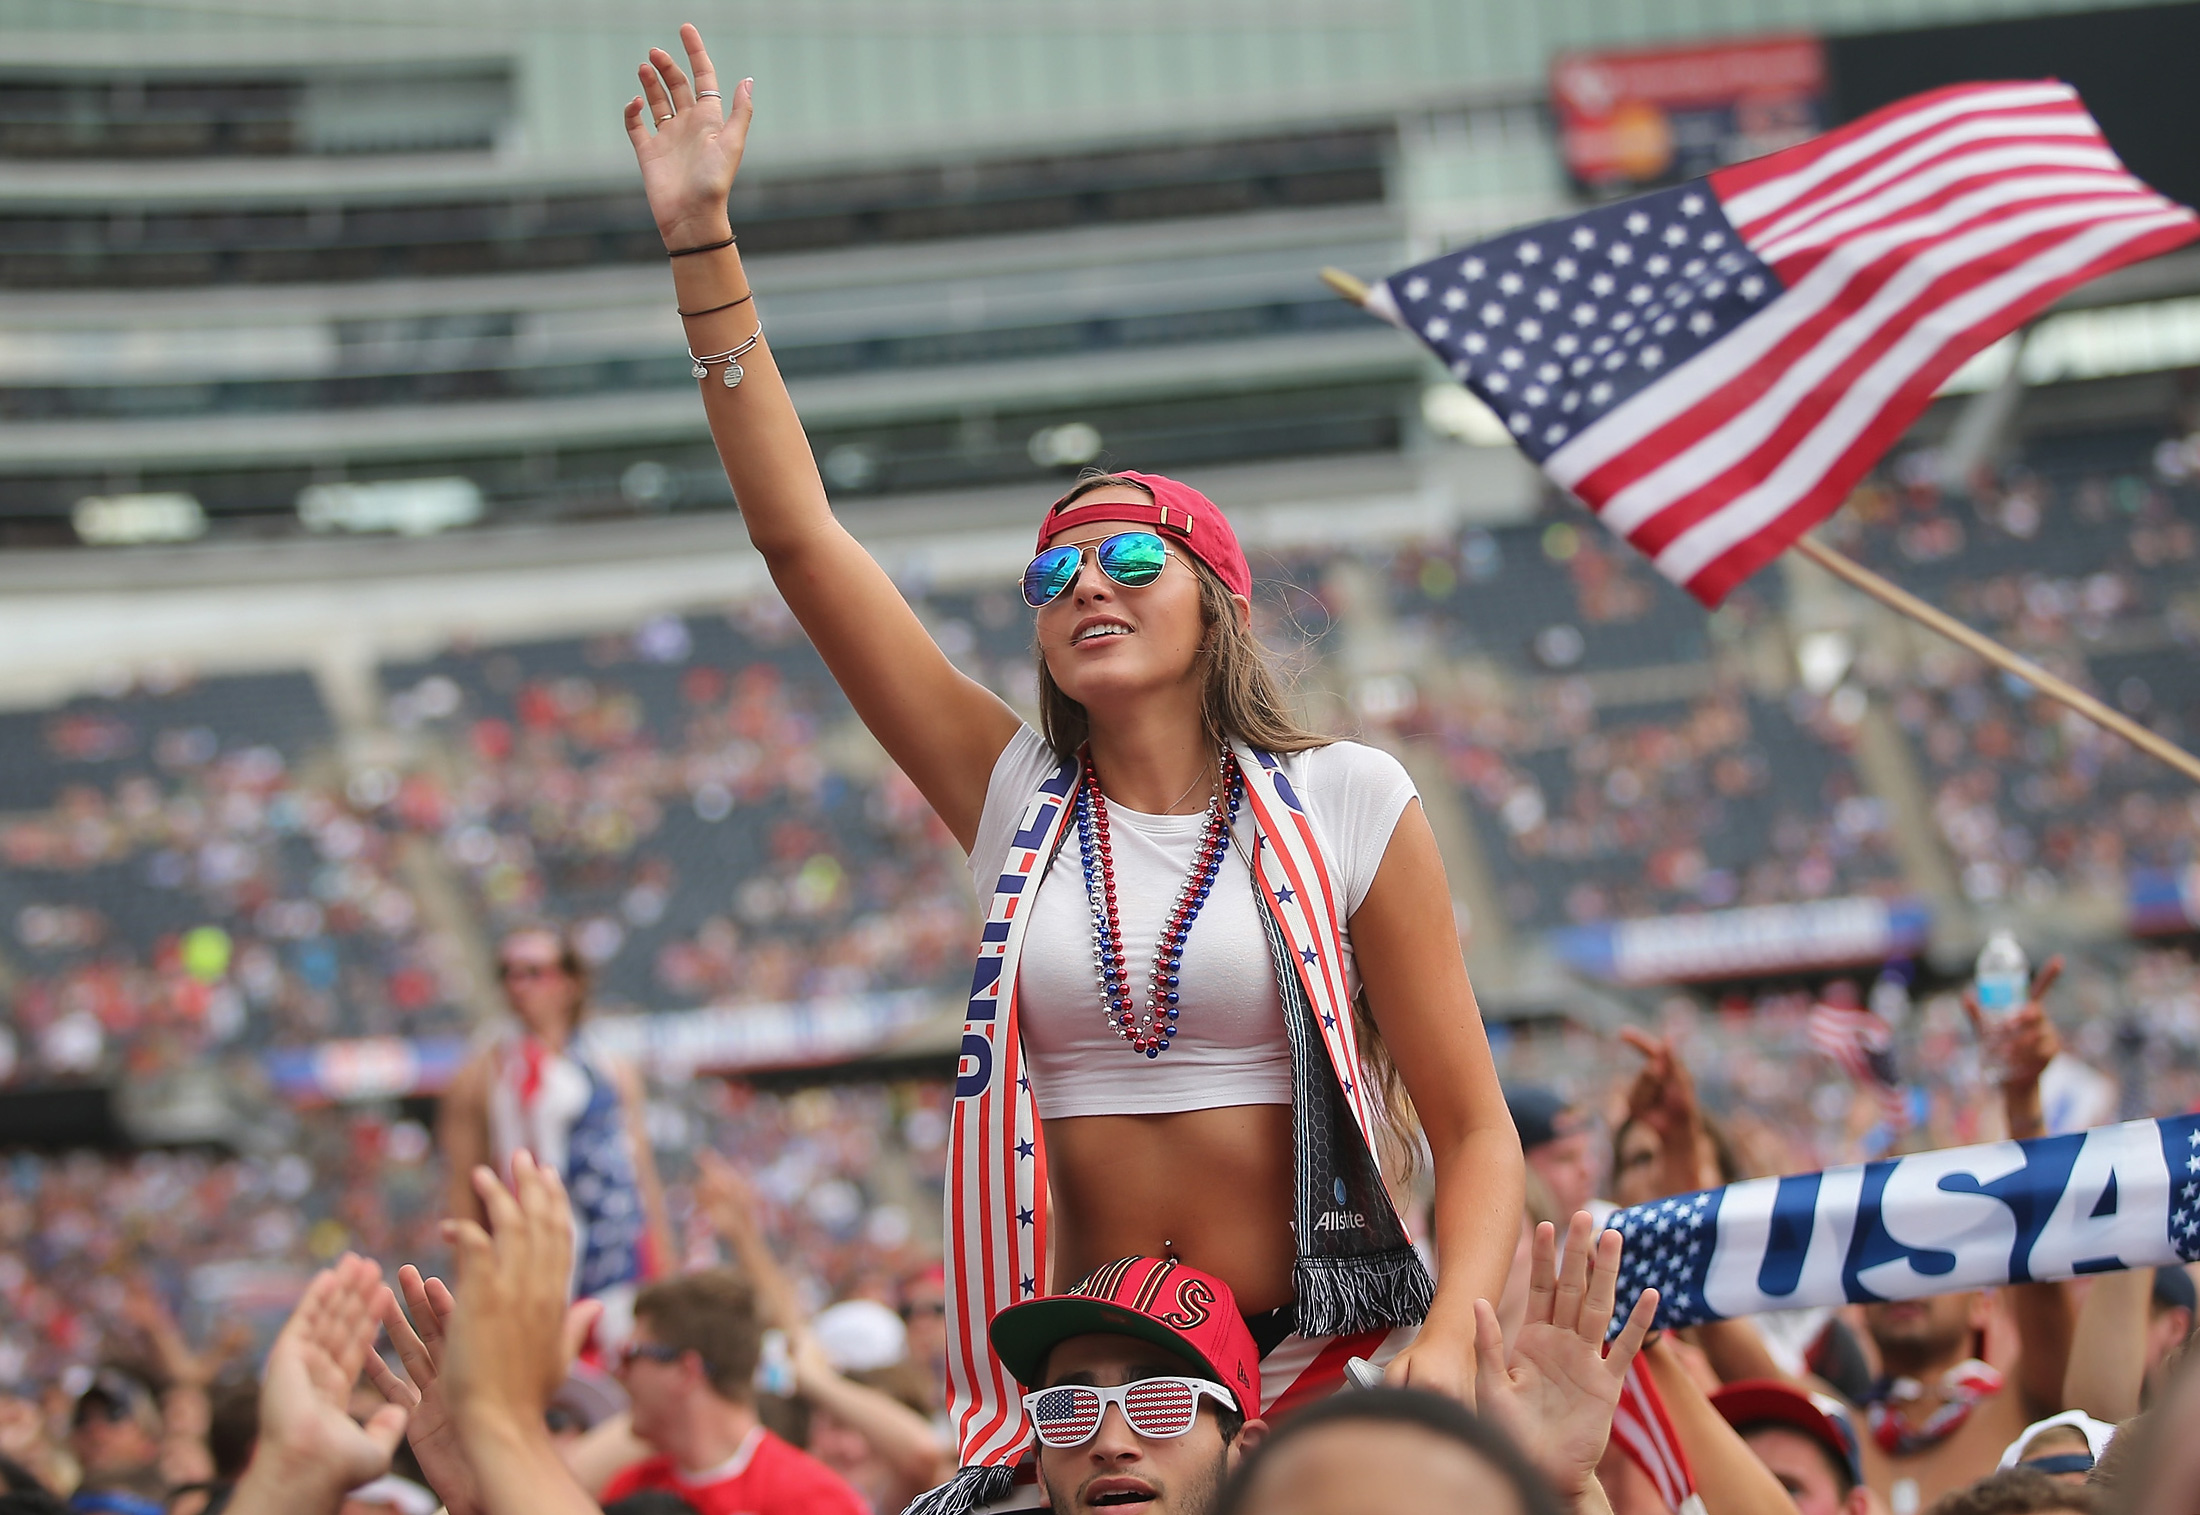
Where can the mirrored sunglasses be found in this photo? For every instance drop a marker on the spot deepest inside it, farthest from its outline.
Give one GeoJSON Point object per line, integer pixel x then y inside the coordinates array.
{"type": "Point", "coordinates": [1133, 559]}
{"type": "Point", "coordinates": [1159, 1409]}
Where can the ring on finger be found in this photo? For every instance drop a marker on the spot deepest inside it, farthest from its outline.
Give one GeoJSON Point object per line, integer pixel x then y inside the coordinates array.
{"type": "Point", "coordinates": [667, 116]}
{"type": "Point", "coordinates": [708, 94]}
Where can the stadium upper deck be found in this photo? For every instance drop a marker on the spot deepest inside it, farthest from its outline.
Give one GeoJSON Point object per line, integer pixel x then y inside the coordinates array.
{"type": "Point", "coordinates": [250, 250]}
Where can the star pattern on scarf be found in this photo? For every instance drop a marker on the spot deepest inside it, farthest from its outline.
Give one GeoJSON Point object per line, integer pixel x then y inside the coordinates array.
{"type": "Point", "coordinates": [1284, 895]}
{"type": "Point", "coordinates": [1668, 1249]}
{"type": "Point", "coordinates": [1023, 1215]}
{"type": "Point", "coordinates": [1024, 1149]}
{"type": "Point", "coordinates": [1309, 956]}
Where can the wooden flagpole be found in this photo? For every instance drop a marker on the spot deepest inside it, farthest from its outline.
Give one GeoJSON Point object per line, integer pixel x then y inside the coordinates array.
{"type": "Point", "coordinates": [1900, 600]}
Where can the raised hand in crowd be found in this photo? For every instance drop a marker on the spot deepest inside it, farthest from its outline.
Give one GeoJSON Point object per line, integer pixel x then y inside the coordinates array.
{"type": "Point", "coordinates": [2018, 1047]}
{"type": "Point", "coordinates": [418, 1329]}
{"type": "Point", "coordinates": [311, 1452]}
{"type": "Point", "coordinates": [185, 1411]}
{"type": "Point", "coordinates": [898, 1435]}
{"type": "Point", "coordinates": [510, 1340]}
{"type": "Point", "coordinates": [729, 1203]}
{"type": "Point", "coordinates": [2129, 1332]}
{"type": "Point", "coordinates": [1662, 1099]}
{"type": "Point", "coordinates": [1555, 1386]}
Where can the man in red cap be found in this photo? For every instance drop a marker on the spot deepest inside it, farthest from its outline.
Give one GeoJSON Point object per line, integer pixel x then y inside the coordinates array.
{"type": "Point", "coordinates": [1139, 1379]}
{"type": "Point", "coordinates": [1806, 1444]}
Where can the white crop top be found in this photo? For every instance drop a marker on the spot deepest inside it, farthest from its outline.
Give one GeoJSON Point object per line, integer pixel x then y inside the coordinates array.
{"type": "Point", "coordinates": [1230, 1047]}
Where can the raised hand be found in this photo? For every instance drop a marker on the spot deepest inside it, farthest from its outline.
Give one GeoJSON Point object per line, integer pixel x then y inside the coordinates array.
{"type": "Point", "coordinates": [1556, 1391]}
{"type": "Point", "coordinates": [688, 142]}
{"type": "Point", "coordinates": [725, 1196]}
{"type": "Point", "coordinates": [2020, 1045]}
{"type": "Point", "coordinates": [512, 1335]}
{"type": "Point", "coordinates": [1663, 1097]}
{"type": "Point", "coordinates": [420, 1345]}
{"type": "Point", "coordinates": [310, 1449]}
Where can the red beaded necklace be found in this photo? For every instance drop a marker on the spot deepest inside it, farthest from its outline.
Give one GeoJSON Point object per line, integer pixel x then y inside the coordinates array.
{"type": "Point", "coordinates": [1150, 1032]}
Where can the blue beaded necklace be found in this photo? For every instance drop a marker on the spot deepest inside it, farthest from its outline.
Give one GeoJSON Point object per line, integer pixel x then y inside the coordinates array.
{"type": "Point", "coordinates": [1151, 1032]}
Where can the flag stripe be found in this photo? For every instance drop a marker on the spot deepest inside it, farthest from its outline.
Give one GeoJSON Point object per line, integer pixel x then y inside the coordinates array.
{"type": "Point", "coordinates": [2086, 169]}
{"type": "Point", "coordinates": [1755, 191]}
{"type": "Point", "coordinates": [1950, 334]}
{"type": "Point", "coordinates": [1645, 1433]}
{"type": "Point", "coordinates": [1719, 577]}
{"type": "Point", "coordinates": [2064, 128]}
{"type": "Point", "coordinates": [1817, 378]}
{"type": "Point", "coordinates": [1688, 402]}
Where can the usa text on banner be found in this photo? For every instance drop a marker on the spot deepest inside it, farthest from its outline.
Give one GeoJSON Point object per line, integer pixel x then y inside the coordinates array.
{"type": "Point", "coordinates": [2114, 1197]}
{"type": "Point", "coordinates": [1711, 367]}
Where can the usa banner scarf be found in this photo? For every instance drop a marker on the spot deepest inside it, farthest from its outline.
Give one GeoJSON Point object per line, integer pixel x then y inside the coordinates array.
{"type": "Point", "coordinates": [1355, 1270]}
{"type": "Point", "coordinates": [2007, 1212]}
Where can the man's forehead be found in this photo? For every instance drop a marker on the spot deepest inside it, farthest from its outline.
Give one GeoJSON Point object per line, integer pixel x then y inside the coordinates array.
{"type": "Point", "coordinates": [1098, 1359]}
{"type": "Point", "coordinates": [531, 947]}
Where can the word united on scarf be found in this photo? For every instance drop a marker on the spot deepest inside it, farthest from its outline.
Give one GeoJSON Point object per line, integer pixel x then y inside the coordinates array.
{"type": "Point", "coordinates": [2009, 1212]}
{"type": "Point", "coordinates": [1711, 367]}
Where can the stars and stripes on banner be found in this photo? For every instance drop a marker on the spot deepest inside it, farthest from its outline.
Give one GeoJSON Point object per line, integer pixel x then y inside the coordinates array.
{"type": "Point", "coordinates": [1862, 1046]}
{"type": "Point", "coordinates": [2123, 1196]}
{"type": "Point", "coordinates": [1711, 367]}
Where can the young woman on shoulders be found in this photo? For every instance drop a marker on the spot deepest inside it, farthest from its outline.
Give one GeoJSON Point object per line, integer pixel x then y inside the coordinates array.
{"type": "Point", "coordinates": [1235, 956]}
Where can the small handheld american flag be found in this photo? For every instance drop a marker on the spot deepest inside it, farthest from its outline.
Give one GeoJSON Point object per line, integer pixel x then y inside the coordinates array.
{"type": "Point", "coordinates": [1711, 367]}
{"type": "Point", "coordinates": [1862, 1046]}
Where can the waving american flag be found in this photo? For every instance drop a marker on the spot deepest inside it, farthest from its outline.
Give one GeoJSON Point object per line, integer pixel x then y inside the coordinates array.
{"type": "Point", "coordinates": [1711, 367]}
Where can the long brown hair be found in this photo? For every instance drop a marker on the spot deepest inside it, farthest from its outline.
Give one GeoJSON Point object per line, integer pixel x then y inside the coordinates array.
{"type": "Point", "coordinates": [1244, 698]}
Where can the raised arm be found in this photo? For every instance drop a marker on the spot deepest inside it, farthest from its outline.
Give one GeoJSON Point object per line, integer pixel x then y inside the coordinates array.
{"type": "Point", "coordinates": [2021, 1046]}
{"type": "Point", "coordinates": [945, 730]}
{"type": "Point", "coordinates": [462, 1131]}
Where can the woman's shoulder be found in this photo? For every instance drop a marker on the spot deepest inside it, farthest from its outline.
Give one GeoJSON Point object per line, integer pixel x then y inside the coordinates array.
{"type": "Point", "coordinates": [1345, 763]}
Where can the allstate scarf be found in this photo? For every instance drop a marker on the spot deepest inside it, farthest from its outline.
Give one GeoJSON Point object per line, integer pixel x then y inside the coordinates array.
{"type": "Point", "coordinates": [1355, 1268]}
{"type": "Point", "coordinates": [2007, 1212]}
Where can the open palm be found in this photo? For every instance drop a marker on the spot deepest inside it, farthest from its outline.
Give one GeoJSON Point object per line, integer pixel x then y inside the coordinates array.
{"type": "Point", "coordinates": [305, 1402]}
{"type": "Point", "coordinates": [1556, 1390]}
{"type": "Point", "coordinates": [688, 143]}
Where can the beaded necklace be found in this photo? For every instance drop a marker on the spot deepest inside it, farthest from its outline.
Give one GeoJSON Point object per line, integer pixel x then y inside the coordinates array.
{"type": "Point", "coordinates": [1151, 1032]}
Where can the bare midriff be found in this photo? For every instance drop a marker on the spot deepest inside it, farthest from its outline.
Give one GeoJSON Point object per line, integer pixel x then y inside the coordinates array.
{"type": "Point", "coordinates": [1211, 1187]}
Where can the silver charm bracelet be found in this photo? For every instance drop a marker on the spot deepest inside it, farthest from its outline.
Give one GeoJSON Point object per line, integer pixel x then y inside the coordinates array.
{"type": "Point", "coordinates": [731, 357]}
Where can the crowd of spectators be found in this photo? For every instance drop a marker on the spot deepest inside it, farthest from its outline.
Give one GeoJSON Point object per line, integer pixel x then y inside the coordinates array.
{"type": "Point", "coordinates": [147, 1287]}
{"type": "Point", "coordinates": [177, 890]}
{"type": "Point", "coordinates": [2080, 557]}
{"type": "Point", "coordinates": [691, 796]}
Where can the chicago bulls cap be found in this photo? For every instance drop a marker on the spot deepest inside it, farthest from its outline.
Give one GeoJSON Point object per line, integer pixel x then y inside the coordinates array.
{"type": "Point", "coordinates": [1176, 1307]}
{"type": "Point", "coordinates": [1181, 512]}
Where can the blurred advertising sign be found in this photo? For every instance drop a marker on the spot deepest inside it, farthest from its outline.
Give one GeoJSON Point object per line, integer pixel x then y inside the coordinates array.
{"type": "Point", "coordinates": [1718, 944]}
{"type": "Point", "coordinates": [677, 1044]}
{"type": "Point", "coordinates": [364, 1068]}
{"type": "Point", "coordinates": [2163, 900]}
{"type": "Point", "coordinates": [670, 1044]}
{"type": "Point", "coordinates": [1634, 120]}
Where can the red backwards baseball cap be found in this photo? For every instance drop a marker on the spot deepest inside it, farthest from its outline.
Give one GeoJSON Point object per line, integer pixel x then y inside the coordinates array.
{"type": "Point", "coordinates": [1751, 1402]}
{"type": "Point", "coordinates": [1189, 1314]}
{"type": "Point", "coordinates": [1179, 510]}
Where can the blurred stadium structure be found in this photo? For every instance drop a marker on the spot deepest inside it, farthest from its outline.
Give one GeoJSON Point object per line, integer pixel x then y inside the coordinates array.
{"type": "Point", "coordinates": [372, 583]}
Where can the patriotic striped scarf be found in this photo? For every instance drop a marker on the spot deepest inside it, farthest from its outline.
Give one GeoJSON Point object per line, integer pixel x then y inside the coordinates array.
{"type": "Point", "coordinates": [1355, 1268]}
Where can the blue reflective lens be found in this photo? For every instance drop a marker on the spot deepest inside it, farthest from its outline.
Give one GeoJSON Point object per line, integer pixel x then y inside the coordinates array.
{"type": "Point", "coordinates": [1050, 573]}
{"type": "Point", "coordinates": [1133, 558]}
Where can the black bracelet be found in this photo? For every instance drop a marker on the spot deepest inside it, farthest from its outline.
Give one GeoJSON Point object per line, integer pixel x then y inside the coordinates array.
{"type": "Point", "coordinates": [682, 252]}
{"type": "Point", "coordinates": [713, 310]}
